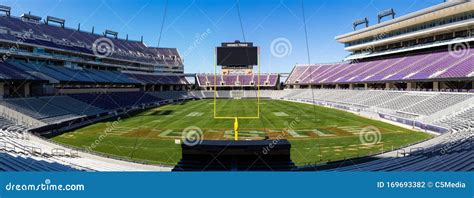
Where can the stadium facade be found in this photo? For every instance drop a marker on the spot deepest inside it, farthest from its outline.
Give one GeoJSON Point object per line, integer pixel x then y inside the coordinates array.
{"type": "Point", "coordinates": [46, 58]}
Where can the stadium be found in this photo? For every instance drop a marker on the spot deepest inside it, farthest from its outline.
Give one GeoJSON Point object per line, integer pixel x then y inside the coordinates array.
{"type": "Point", "coordinates": [76, 100]}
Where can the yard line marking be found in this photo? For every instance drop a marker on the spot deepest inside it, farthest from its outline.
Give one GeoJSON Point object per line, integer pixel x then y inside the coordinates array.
{"type": "Point", "coordinates": [195, 114]}
{"type": "Point", "coordinates": [321, 134]}
{"type": "Point", "coordinates": [280, 114]}
{"type": "Point", "coordinates": [296, 134]}
{"type": "Point", "coordinates": [166, 133]}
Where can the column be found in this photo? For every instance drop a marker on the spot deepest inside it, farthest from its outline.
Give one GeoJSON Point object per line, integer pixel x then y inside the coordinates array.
{"type": "Point", "coordinates": [411, 86]}
{"type": "Point", "coordinates": [435, 86]}
{"type": "Point", "coordinates": [2, 90]}
{"type": "Point", "coordinates": [27, 90]}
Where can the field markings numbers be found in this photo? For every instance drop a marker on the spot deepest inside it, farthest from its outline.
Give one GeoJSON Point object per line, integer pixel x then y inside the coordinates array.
{"type": "Point", "coordinates": [195, 114]}
{"type": "Point", "coordinates": [352, 129]}
{"type": "Point", "coordinates": [244, 133]}
{"type": "Point", "coordinates": [122, 130]}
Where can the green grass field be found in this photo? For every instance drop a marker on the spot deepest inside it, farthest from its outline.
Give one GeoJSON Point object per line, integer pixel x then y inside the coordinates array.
{"type": "Point", "coordinates": [317, 134]}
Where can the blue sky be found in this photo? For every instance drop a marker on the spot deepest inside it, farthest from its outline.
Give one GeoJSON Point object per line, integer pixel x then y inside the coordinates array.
{"type": "Point", "coordinates": [196, 27]}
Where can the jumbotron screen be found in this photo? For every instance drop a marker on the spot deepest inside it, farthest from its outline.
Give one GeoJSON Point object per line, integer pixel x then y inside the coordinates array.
{"type": "Point", "coordinates": [237, 56]}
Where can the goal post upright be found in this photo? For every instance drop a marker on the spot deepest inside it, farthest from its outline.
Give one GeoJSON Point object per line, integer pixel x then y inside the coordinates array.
{"type": "Point", "coordinates": [236, 118]}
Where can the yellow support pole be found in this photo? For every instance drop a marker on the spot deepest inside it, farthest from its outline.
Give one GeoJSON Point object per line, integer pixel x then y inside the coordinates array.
{"type": "Point", "coordinates": [236, 129]}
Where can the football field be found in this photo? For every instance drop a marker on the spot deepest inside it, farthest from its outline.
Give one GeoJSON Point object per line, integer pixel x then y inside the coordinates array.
{"type": "Point", "coordinates": [317, 134]}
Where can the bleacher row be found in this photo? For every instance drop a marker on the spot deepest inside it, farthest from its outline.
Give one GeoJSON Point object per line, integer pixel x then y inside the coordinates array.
{"type": "Point", "coordinates": [59, 74]}
{"type": "Point", "coordinates": [434, 65]}
{"type": "Point", "coordinates": [237, 80]}
{"type": "Point", "coordinates": [401, 103]}
{"type": "Point", "coordinates": [459, 120]}
{"type": "Point", "coordinates": [13, 28]}
{"type": "Point", "coordinates": [13, 154]}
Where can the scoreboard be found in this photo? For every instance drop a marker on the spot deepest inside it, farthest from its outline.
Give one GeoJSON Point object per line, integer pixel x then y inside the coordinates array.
{"type": "Point", "coordinates": [237, 54]}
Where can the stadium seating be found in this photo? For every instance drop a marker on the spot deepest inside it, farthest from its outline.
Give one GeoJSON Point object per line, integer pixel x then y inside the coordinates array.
{"type": "Point", "coordinates": [438, 102]}
{"type": "Point", "coordinates": [73, 106]}
{"type": "Point", "coordinates": [237, 80]}
{"type": "Point", "coordinates": [117, 100]}
{"type": "Point", "coordinates": [158, 79]}
{"type": "Point", "coordinates": [7, 126]}
{"type": "Point", "coordinates": [223, 94]}
{"type": "Point", "coordinates": [57, 109]}
{"type": "Point", "coordinates": [52, 109]}
{"type": "Point", "coordinates": [433, 65]}
{"type": "Point", "coordinates": [13, 162]}
{"type": "Point", "coordinates": [37, 108]}
{"type": "Point", "coordinates": [9, 72]}
{"type": "Point", "coordinates": [78, 41]}
{"type": "Point", "coordinates": [69, 75]}
{"type": "Point", "coordinates": [414, 103]}
{"type": "Point", "coordinates": [207, 94]}
{"type": "Point", "coordinates": [460, 120]}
